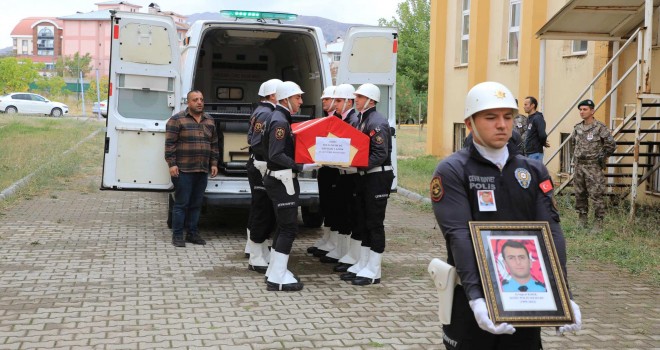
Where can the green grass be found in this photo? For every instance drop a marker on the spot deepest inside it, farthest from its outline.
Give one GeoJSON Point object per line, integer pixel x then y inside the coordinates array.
{"type": "Point", "coordinates": [29, 142]}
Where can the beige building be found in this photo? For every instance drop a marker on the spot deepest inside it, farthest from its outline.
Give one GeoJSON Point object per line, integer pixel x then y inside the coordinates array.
{"type": "Point", "coordinates": [560, 51]}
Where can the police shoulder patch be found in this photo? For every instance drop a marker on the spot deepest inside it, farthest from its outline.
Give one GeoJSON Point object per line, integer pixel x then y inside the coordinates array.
{"type": "Point", "coordinates": [279, 133]}
{"type": "Point", "coordinates": [523, 176]}
{"type": "Point", "coordinates": [258, 126]}
{"type": "Point", "coordinates": [546, 186]}
{"type": "Point", "coordinates": [436, 189]}
{"type": "Point", "coordinates": [378, 139]}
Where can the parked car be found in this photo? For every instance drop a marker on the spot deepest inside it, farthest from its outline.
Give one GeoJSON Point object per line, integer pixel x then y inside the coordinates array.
{"type": "Point", "coordinates": [27, 103]}
{"type": "Point", "coordinates": [100, 107]}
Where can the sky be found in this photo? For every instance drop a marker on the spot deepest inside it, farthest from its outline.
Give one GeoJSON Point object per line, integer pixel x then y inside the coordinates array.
{"type": "Point", "coordinates": [347, 11]}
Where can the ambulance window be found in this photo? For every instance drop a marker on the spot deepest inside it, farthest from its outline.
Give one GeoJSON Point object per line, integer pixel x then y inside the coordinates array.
{"type": "Point", "coordinates": [145, 44]}
{"type": "Point", "coordinates": [229, 93]}
{"type": "Point", "coordinates": [144, 97]}
{"type": "Point", "coordinates": [371, 55]}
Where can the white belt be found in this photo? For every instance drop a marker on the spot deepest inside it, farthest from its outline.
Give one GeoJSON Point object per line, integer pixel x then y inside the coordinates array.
{"type": "Point", "coordinates": [285, 176]}
{"type": "Point", "coordinates": [276, 173]}
{"type": "Point", "coordinates": [347, 172]}
{"type": "Point", "coordinates": [376, 169]}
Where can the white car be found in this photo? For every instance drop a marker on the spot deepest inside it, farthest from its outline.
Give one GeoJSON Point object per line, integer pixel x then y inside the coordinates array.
{"type": "Point", "coordinates": [100, 107]}
{"type": "Point", "coordinates": [27, 103]}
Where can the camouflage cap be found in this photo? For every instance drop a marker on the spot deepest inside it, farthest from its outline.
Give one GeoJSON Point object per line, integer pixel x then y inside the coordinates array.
{"type": "Point", "coordinates": [588, 103]}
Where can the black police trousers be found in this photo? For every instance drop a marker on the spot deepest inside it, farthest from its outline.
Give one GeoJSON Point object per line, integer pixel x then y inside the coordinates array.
{"type": "Point", "coordinates": [372, 192]}
{"type": "Point", "coordinates": [464, 333]}
{"type": "Point", "coordinates": [286, 212]}
{"type": "Point", "coordinates": [327, 180]}
{"type": "Point", "coordinates": [261, 220]}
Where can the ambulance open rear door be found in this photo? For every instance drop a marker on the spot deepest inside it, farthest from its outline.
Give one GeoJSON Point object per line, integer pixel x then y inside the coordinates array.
{"type": "Point", "coordinates": [144, 93]}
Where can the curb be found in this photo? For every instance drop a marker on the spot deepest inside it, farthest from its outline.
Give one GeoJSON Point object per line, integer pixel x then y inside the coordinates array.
{"type": "Point", "coordinates": [412, 195]}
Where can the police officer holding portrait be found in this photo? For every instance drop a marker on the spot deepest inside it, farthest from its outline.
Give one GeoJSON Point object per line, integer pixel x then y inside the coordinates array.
{"type": "Point", "coordinates": [282, 185]}
{"type": "Point", "coordinates": [261, 219]}
{"type": "Point", "coordinates": [521, 190]}
{"type": "Point", "coordinates": [593, 143]}
{"type": "Point", "coordinates": [373, 188]}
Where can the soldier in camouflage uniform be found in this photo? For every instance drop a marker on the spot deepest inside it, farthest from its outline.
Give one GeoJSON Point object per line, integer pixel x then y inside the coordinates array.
{"type": "Point", "coordinates": [520, 125]}
{"type": "Point", "coordinates": [593, 144]}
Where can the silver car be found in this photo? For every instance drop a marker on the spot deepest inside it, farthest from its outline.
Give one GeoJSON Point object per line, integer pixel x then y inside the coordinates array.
{"type": "Point", "coordinates": [100, 107]}
{"type": "Point", "coordinates": [27, 103]}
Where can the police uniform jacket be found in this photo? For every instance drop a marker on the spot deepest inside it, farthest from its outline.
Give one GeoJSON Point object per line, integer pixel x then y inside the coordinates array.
{"type": "Point", "coordinates": [351, 118]}
{"type": "Point", "coordinates": [522, 192]}
{"type": "Point", "coordinates": [511, 285]}
{"type": "Point", "coordinates": [592, 142]}
{"type": "Point", "coordinates": [281, 149]}
{"type": "Point", "coordinates": [255, 132]}
{"type": "Point", "coordinates": [535, 137]}
{"type": "Point", "coordinates": [374, 125]}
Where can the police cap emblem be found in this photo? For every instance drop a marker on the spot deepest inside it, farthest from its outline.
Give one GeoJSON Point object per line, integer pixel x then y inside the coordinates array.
{"type": "Point", "coordinates": [279, 133]}
{"type": "Point", "coordinates": [523, 176]}
{"type": "Point", "coordinates": [436, 189]}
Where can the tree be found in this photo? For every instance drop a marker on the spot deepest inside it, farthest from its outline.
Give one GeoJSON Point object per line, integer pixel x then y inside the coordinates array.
{"type": "Point", "coordinates": [17, 74]}
{"type": "Point", "coordinates": [70, 66]}
{"type": "Point", "coordinates": [90, 94]}
{"type": "Point", "coordinates": [51, 86]}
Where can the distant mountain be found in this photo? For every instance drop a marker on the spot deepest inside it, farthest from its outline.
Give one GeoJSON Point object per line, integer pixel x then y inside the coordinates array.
{"type": "Point", "coordinates": [331, 29]}
{"type": "Point", "coordinates": [6, 51]}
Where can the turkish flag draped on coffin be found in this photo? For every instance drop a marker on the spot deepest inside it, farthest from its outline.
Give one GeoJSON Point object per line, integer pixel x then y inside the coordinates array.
{"type": "Point", "coordinates": [330, 141]}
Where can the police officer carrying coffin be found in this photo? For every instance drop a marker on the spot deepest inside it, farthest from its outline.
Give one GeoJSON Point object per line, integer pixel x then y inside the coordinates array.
{"type": "Point", "coordinates": [593, 144]}
{"type": "Point", "coordinates": [522, 191]}
{"type": "Point", "coordinates": [262, 218]}
{"type": "Point", "coordinates": [373, 188]}
{"type": "Point", "coordinates": [342, 201]}
{"type": "Point", "coordinates": [327, 179]}
{"type": "Point", "coordinates": [282, 185]}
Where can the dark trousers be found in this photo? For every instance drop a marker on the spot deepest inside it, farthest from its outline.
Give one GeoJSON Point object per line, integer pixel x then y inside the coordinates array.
{"type": "Point", "coordinates": [188, 198]}
{"type": "Point", "coordinates": [344, 205]}
{"type": "Point", "coordinates": [261, 220]}
{"type": "Point", "coordinates": [464, 333]}
{"type": "Point", "coordinates": [376, 188]}
{"type": "Point", "coordinates": [286, 212]}
{"type": "Point", "coordinates": [327, 178]}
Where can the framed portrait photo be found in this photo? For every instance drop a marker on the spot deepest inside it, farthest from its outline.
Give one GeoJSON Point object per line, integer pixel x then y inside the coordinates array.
{"type": "Point", "coordinates": [523, 282]}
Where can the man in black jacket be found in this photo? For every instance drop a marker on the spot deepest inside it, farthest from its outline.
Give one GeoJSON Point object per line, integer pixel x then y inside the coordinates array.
{"type": "Point", "coordinates": [535, 137]}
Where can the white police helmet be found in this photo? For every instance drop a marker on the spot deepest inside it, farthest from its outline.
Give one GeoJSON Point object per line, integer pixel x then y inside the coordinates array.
{"type": "Point", "coordinates": [286, 90]}
{"type": "Point", "coordinates": [488, 95]}
{"type": "Point", "coordinates": [369, 91]}
{"type": "Point", "coordinates": [328, 92]}
{"type": "Point", "coordinates": [346, 91]}
{"type": "Point", "coordinates": [268, 87]}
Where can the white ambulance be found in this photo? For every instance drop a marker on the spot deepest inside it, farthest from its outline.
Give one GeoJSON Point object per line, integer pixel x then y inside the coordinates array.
{"type": "Point", "coordinates": [152, 70]}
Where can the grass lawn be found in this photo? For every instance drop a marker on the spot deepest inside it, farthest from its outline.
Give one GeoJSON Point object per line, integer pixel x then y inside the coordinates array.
{"type": "Point", "coordinates": [415, 167]}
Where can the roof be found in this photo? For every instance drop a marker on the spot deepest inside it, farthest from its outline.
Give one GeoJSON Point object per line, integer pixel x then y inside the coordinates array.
{"type": "Point", "coordinates": [117, 2]}
{"type": "Point", "coordinates": [595, 20]}
{"type": "Point", "coordinates": [24, 27]}
{"type": "Point", "coordinates": [100, 15]}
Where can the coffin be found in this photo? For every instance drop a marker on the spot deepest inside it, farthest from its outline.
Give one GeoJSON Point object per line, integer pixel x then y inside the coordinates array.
{"type": "Point", "coordinates": [330, 141]}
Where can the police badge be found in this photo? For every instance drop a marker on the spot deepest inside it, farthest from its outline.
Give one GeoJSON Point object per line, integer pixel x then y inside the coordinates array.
{"type": "Point", "coordinates": [279, 133]}
{"type": "Point", "coordinates": [523, 176]}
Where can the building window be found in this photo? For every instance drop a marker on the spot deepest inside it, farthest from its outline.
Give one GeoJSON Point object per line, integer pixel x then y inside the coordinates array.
{"type": "Point", "coordinates": [24, 48]}
{"type": "Point", "coordinates": [579, 47]}
{"type": "Point", "coordinates": [514, 29]}
{"type": "Point", "coordinates": [336, 57]}
{"type": "Point", "coordinates": [45, 33]}
{"type": "Point", "coordinates": [459, 136]}
{"type": "Point", "coordinates": [465, 31]}
{"type": "Point", "coordinates": [566, 154]}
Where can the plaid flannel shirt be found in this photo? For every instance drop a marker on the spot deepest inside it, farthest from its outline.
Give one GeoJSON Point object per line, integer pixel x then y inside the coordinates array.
{"type": "Point", "coordinates": [191, 146]}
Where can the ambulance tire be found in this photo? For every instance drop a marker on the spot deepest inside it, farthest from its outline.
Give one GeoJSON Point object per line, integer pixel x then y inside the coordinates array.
{"type": "Point", "coordinates": [311, 218]}
{"type": "Point", "coordinates": [170, 206]}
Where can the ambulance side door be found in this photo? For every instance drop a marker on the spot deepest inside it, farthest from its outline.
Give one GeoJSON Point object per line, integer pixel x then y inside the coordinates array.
{"type": "Point", "coordinates": [144, 92]}
{"type": "Point", "coordinates": [369, 56]}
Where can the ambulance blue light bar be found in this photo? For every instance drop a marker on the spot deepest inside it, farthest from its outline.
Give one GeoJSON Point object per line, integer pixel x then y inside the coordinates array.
{"type": "Point", "coordinates": [279, 16]}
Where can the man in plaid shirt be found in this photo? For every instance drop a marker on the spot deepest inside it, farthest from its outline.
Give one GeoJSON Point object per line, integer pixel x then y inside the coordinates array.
{"type": "Point", "coordinates": [191, 152]}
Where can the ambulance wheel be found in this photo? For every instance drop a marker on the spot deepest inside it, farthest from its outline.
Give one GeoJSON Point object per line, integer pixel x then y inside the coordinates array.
{"type": "Point", "coordinates": [311, 218]}
{"type": "Point", "coordinates": [170, 206]}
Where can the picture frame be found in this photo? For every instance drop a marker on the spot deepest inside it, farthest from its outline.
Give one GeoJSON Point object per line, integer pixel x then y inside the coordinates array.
{"type": "Point", "coordinates": [524, 284]}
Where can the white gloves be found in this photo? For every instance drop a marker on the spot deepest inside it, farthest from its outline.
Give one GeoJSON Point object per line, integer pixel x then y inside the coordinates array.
{"type": "Point", "coordinates": [478, 306]}
{"type": "Point", "coordinates": [575, 326]}
{"type": "Point", "coordinates": [310, 167]}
